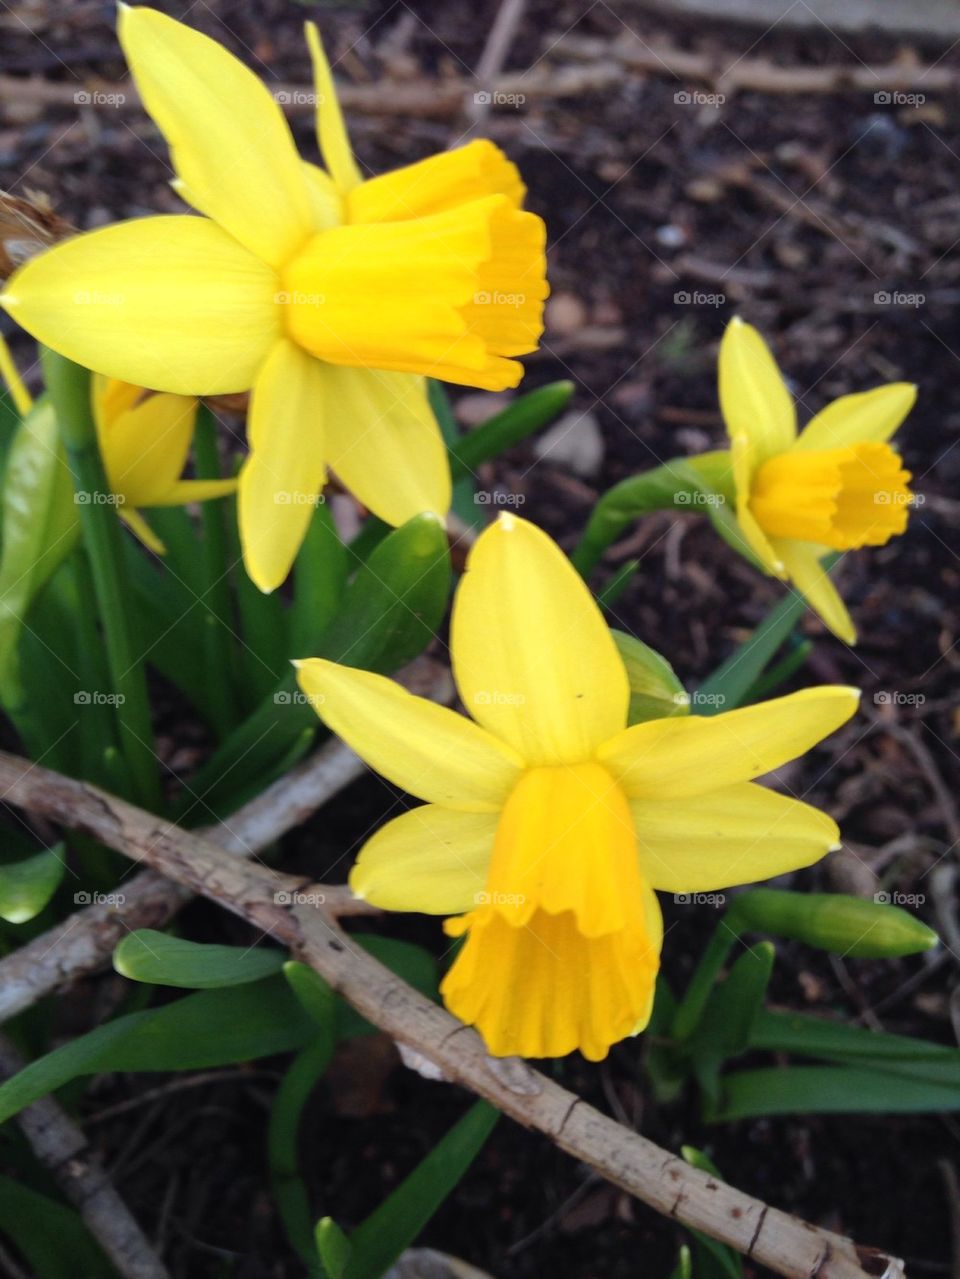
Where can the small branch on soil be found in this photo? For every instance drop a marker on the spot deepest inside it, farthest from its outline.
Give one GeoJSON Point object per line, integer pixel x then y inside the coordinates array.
{"type": "Point", "coordinates": [85, 941]}
{"type": "Point", "coordinates": [62, 1148]}
{"type": "Point", "coordinates": [784, 1243]}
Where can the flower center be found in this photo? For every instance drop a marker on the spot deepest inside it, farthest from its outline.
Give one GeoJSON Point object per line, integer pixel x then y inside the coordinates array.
{"type": "Point", "coordinates": [842, 498]}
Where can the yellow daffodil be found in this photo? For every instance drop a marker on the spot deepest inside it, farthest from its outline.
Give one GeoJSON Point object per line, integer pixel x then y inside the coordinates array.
{"type": "Point", "coordinates": [144, 440]}
{"type": "Point", "coordinates": [329, 296]}
{"type": "Point", "coordinates": [837, 485]}
{"type": "Point", "coordinates": [548, 822]}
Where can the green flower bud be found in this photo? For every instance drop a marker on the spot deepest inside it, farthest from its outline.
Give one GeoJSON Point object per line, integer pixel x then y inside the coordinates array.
{"type": "Point", "coordinates": [834, 922]}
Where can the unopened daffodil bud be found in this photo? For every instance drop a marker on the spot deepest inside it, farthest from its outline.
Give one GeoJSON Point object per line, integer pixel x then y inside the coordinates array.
{"type": "Point", "coordinates": [834, 922]}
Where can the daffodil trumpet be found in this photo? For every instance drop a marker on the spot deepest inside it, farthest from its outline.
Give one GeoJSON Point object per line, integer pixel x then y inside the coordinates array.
{"type": "Point", "coordinates": [548, 823]}
{"type": "Point", "coordinates": [787, 499]}
{"type": "Point", "coordinates": [331, 296]}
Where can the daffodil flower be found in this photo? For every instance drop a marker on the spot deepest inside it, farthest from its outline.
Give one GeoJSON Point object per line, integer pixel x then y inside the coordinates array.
{"type": "Point", "coordinates": [837, 485]}
{"type": "Point", "coordinates": [144, 440]}
{"type": "Point", "coordinates": [548, 822]}
{"type": "Point", "coordinates": [329, 296]}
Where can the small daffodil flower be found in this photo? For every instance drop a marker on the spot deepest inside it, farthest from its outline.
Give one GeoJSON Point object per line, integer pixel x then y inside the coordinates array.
{"type": "Point", "coordinates": [144, 440]}
{"type": "Point", "coordinates": [835, 485]}
{"type": "Point", "coordinates": [549, 823]}
{"type": "Point", "coordinates": [331, 297]}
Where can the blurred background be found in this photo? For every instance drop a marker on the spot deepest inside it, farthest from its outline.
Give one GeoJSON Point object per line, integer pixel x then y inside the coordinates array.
{"type": "Point", "coordinates": [794, 163]}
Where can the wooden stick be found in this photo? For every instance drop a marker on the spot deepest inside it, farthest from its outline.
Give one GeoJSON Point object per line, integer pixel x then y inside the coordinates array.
{"type": "Point", "coordinates": [63, 1150]}
{"type": "Point", "coordinates": [278, 904]}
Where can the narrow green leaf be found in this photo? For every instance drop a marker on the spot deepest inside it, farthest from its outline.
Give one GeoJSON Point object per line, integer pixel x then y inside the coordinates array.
{"type": "Point", "coordinates": [209, 1028]}
{"type": "Point", "coordinates": [464, 488]}
{"type": "Point", "coordinates": [319, 578]}
{"type": "Point", "coordinates": [380, 1239]}
{"type": "Point", "coordinates": [805, 1090]}
{"type": "Point", "coordinates": [27, 886]}
{"type": "Point", "coordinates": [314, 994]}
{"type": "Point", "coordinates": [725, 1027]}
{"type": "Point", "coordinates": [50, 1236]}
{"type": "Point", "coordinates": [333, 1247]}
{"type": "Point", "coordinates": [519, 420]}
{"type": "Point", "coordinates": [162, 960]}
{"type": "Point", "coordinates": [712, 1256]}
{"type": "Point", "coordinates": [40, 528]}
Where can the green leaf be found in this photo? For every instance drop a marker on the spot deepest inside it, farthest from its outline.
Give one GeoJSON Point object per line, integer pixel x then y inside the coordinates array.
{"type": "Point", "coordinates": [333, 1247]}
{"type": "Point", "coordinates": [655, 691]}
{"type": "Point", "coordinates": [27, 886]}
{"type": "Point", "coordinates": [379, 1240]}
{"type": "Point", "coordinates": [210, 1028]}
{"type": "Point", "coordinates": [162, 960]}
{"type": "Point", "coordinates": [320, 576]}
{"type": "Point", "coordinates": [725, 1027]}
{"type": "Point", "coordinates": [314, 994]}
{"type": "Point", "coordinates": [50, 1236]}
{"type": "Point", "coordinates": [463, 504]}
{"type": "Point", "coordinates": [40, 528]}
{"type": "Point", "coordinates": [711, 1255]}
{"type": "Point", "coordinates": [805, 1090]}
{"type": "Point", "coordinates": [388, 614]}
{"type": "Point", "coordinates": [519, 420]}
{"type": "Point", "coordinates": [730, 683]}
{"type": "Point", "coordinates": [684, 1268]}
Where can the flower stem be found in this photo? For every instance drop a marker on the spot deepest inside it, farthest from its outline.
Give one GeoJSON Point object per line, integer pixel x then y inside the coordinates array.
{"type": "Point", "coordinates": [69, 388]}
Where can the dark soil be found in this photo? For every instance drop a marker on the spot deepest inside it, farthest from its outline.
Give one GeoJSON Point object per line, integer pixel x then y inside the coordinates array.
{"type": "Point", "coordinates": [796, 212]}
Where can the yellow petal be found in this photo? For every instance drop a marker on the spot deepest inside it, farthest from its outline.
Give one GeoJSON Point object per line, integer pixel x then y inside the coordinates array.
{"type": "Point", "coordinates": [672, 758]}
{"type": "Point", "coordinates": [736, 835]}
{"type": "Point", "coordinates": [142, 530]}
{"type": "Point", "coordinates": [756, 405]}
{"type": "Point", "coordinates": [144, 446]}
{"type": "Point", "coordinates": [186, 491]}
{"type": "Point", "coordinates": [282, 478]}
{"type": "Point", "coordinates": [385, 444]}
{"type": "Point", "coordinates": [429, 750]}
{"type": "Point", "coordinates": [172, 303]}
{"type": "Point", "coordinates": [533, 658]}
{"type": "Point", "coordinates": [229, 142]}
{"type": "Point", "coordinates": [430, 859]}
{"type": "Point", "coordinates": [331, 130]}
{"type": "Point", "coordinates": [742, 459]}
{"type": "Point", "coordinates": [803, 563]}
{"type": "Point", "coordinates": [453, 295]}
{"type": "Point", "coordinates": [439, 182]}
{"type": "Point", "coordinates": [543, 990]}
{"type": "Point", "coordinates": [867, 417]}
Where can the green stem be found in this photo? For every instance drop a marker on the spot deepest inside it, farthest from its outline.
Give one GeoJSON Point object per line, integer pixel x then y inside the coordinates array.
{"type": "Point", "coordinates": [218, 650]}
{"type": "Point", "coordinates": [674, 486]}
{"type": "Point", "coordinates": [690, 1009]}
{"type": "Point", "coordinates": [289, 1190]}
{"type": "Point", "coordinates": [69, 388]}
